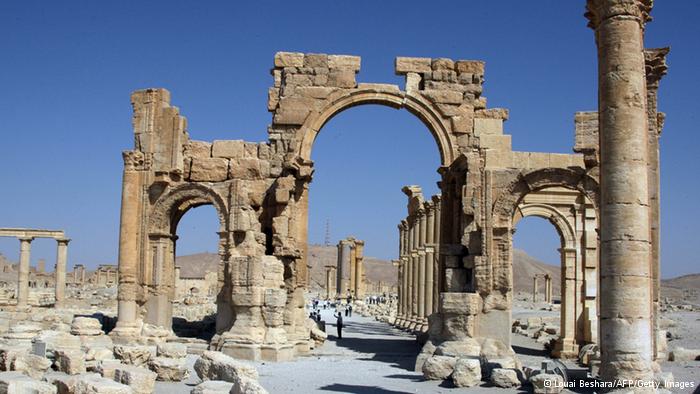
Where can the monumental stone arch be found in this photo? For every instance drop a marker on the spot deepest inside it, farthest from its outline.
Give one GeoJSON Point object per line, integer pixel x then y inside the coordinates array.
{"type": "Point", "coordinates": [260, 192]}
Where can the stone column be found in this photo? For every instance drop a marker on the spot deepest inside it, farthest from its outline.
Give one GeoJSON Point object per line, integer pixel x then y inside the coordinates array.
{"type": "Point", "coordinates": [429, 258]}
{"type": "Point", "coordinates": [423, 269]}
{"type": "Point", "coordinates": [656, 68]}
{"type": "Point", "coordinates": [402, 244]}
{"type": "Point", "coordinates": [415, 266]}
{"type": "Point", "coordinates": [437, 266]}
{"type": "Point", "coordinates": [61, 258]}
{"type": "Point", "coordinates": [25, 250]}
{"type": "Point", "coordinates": [410, 295]}
{"type": "Point", "coordinates": [548, 289]}
{"type": "Point", "coordinates": [329, 282]}
{"type": "Point", "coordinates": [129, 244]}
{"type": "Point", "coordinates": [353, 269]}
{"type": "Point", "coordinates": [359, 269]}
{"type": "Point", "coordinates": [566, 346]}
{"type": "Point", "coordinates": [534, 289]}
{"type": "Point", "coordinates": [625, 277]}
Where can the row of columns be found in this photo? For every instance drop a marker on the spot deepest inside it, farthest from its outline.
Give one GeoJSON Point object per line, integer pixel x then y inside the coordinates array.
{"type": "Point", "coordinates": [349, 272]}
{"type": "Point", "coordinates": [25, 247]}
{"type": "Point", "coordinates": [547, 288]}
{"type": "Point", "coordinates": [419, 236]}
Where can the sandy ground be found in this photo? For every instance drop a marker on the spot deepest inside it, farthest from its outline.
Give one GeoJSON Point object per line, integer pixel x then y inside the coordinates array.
{"type": "Point", "coordinates": [374, 357]}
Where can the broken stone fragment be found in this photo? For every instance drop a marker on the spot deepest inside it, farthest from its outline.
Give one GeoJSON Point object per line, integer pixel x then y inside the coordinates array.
{"type": "Point", "coordinates": [31, 365]}
{"type": "Point", "coordinates": [169, 369]}
{"type": "Point", "coordinates": [506, 378]}
{"type": "Point", "coordinates": [218, 366]}
{"type": "Point", "coordinates": [438, 367]}
{"type": "Point", "coordinates": [212, 387]}
{"type": "Point", "coordinates": [18, 383]}
{"type": "Point", "coordinates": [246, 385]}
{"type": "Point", "coordinates": [547, 383]}
{"type": "Point", "coordinates": [141, 380]}
{"type": "Point", "coordinates": [71, 362]}
{"type": "Point", "coordinates": [83, 325]}
{"type": "Point", "coordinates": [467, 372]}
{"type": "Point", "coordinates": [94, 384]}
{"type": "Point", "coordinates": [132, 355]}
{"type": "Point", "coordinates": [171, 350]}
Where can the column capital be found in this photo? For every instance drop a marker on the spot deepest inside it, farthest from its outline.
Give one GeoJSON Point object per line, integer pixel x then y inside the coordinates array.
{"type": "Point", "coordinates": [135, 160]}
{"type": "Point", "coordinates": [63, 240]}
{"type": "Point", "coordinates": [25, 239]}
{"type": "Point", "coordinates": [598, 11]}
{"type": "Point", "coordinates": [655, 65]}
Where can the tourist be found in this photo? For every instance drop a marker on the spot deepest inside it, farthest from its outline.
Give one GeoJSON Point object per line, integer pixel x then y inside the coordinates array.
{"type": "Point", "coordinates": [349, 310]}
{"type": "Point", "coordinates": [339, 324]}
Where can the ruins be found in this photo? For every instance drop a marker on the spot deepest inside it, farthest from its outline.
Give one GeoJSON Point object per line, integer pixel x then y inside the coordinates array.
{"type": "Point", "coordinates": [455, 284]}
{"type": "Point", "coordinates": [25, 237]}
{"type": "Point", "coordinates": [456, 249]}
{"type": "Point", "coordinates": [350, 277]}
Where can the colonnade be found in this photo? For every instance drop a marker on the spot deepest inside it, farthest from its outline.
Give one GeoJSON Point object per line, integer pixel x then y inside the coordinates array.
{"type": "Point", "coordinates": [547, 287]}
{"type": "Point", "coordinates": [26, 236]}
{"type": "Point", "coordinates": [419, 240]}
{"type": "Point", "coordinates": [350, 271]}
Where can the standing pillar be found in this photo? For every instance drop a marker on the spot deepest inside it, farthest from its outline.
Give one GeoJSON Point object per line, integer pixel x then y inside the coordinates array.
{"type": "Point", "coordinates": [129, 244]}
{"type": "Point", "coordinates": [61, 258]}
{"type": "Point", "coordinates": [421, 269]}
{"type": "Point", "coordinates": [625, 255]}
{"type": "Point", "coordinates": [359, 269]}
{"type": "Point", "coordinates": [429, 257]}
{"type": "Point", "coordinates": [656, 68]}
{"type": "Point", "coordinates": [401, 291]}
{"type": "Point", "coordinates": [437, 267]}
{"type": "Point", "coordinates": [415, 267]}
{"type": "Point", "coordinates": [25, 249]}
{"type": "Point", "coordinates": [353, 269]}
{"type": "Point", "coordinates": [409, 284]}
{"type": "Point", "coordinates": [534, 289]}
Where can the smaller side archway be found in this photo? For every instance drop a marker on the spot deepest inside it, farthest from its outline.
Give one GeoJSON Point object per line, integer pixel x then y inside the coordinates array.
{"type": "Point", "coordinates": [568, 198]}
{"type": "Point", "coordinates": [158, 268]}
{"type": "Point", "coordinates": [572, 215]}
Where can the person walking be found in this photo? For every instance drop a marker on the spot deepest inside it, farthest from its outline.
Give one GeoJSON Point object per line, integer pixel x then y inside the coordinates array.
{"type": "Point", "coordinates": [339, 324]}
{"type": "Point", "coordinates": [349, 310]}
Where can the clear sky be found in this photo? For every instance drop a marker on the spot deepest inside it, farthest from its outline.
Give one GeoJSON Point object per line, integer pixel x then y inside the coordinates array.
{"type": "Point", "coordinates": [68, 68]}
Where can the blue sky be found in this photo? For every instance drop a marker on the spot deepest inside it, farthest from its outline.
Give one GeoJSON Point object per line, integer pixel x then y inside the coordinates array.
{"type": "Point", "coordinates": [68, 69]}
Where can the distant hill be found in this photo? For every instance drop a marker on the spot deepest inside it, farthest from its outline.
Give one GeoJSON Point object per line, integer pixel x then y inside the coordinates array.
{"type": "Point", "coordinates": [683, 289]}
{"type": "Point", "coordinates": [524, 269]}
{"type": "Point", "coordinates": [196, 265]}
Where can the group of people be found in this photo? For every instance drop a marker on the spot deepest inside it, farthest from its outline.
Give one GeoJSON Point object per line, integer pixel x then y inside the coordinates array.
{"type": "Point", "coordinates": [317, 304]}
{"type": "Point", "coordinates": [374, 300]}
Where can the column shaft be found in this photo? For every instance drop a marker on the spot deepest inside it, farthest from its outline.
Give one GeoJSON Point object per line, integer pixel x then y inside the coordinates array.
{"type": "Point", "coordinates": [128, 242]}
{"type": "Point", "coordinates": [625, 255]}
{"type": "Point", "coordinates": [25, 248]}
{"type": "Point", "coordinates": [421, 266]}
{"type": "Point", "coordinates": [61, 258]}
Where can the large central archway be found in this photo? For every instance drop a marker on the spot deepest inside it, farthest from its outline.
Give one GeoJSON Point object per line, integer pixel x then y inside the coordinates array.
{"type": "Point", "coordinates": [386, 95]}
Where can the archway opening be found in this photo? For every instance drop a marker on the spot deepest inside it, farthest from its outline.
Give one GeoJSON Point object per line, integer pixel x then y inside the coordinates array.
{"type": "Point", "coordinates": [562, 325]}
{"type": "Point", "coordinates": [197, 260]}
{"type": "Point", "coordinates": [363, 157]}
